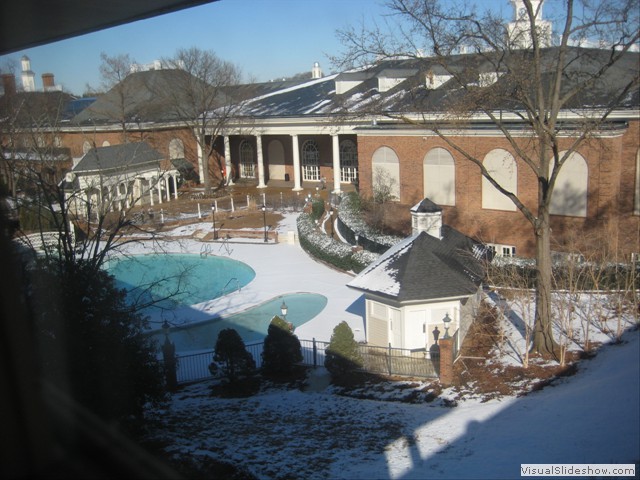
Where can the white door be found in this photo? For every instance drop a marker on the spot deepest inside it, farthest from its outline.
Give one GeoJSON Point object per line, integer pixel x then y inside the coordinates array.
{"type": "Point", "coordinates": [395, 325]}
{"type": "Point", "coordinates": [415, 329]}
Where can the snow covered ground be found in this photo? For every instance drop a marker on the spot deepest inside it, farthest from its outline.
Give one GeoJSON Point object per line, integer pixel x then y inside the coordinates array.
{"type": "Point", "coordinates": [280, 269]}
{"type": "Point", "coordinates": [591, 417]}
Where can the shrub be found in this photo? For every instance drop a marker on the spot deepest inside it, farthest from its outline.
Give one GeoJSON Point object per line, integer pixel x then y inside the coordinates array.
{"type": "Point", "coordinates": [317, 208]}
{"type": "Point", "coordinates": [343, 355]}
{"type": "Point", "coordinates": [231, 357]}
{"type": "Point", "coordinates": [282, 350]}
{"type": "Point", "coordinates": [328, 250]}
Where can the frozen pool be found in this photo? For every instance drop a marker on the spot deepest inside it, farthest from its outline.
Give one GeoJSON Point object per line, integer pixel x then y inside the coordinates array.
{"type": "Point", "coordinates": [251, 324]}
{"type": "Point", "coordinates": [196, 278]}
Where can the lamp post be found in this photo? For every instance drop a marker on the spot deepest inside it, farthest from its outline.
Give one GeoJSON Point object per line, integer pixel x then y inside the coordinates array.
{"type": "Point", "coordinates": [264, 219]}
{"type": "Point", "coordinates": [446, 320]}
{"type": "Point", "coordinates": [331, 220]}
{"type": "Point", "coordinates": [284, 309]}
{"type": "Point", "coordinates": [169, 357]}
{"type": "Point", "coordinates": [213, 217]}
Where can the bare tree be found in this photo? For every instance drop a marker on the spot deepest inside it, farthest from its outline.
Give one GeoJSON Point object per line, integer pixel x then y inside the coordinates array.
{"type": "Point", "coordinates": [113, 71]}
{"type": "Point", "coordinates": [203, 99]}
{"type": "Point", "coordinates": [516, 83]}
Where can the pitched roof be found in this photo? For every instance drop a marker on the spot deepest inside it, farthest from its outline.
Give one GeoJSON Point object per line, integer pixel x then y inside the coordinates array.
{"type": "Point", "coordinates": [126, 155]}
{"type": "Point", "coordinates": [423, 268]}
{"type": "Point", "coordinates": [319, 97]}
{"type": "Point", "coordinates": [148, 96]}
{"type": "Point", "coordinates": [34, 109]}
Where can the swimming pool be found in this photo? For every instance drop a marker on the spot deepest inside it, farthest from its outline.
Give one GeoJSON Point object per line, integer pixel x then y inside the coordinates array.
{"type": "Point", "coordinates": [251, 324]}
{"type": "Point", "coordinates": [153, 278]}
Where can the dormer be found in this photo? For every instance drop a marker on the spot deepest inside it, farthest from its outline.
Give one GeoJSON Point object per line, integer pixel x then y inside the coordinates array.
{"type": "Point", "coordinates": [389, 78]}
{"type": "Point", "coordinates": [436, 77]}
{"type": "Point", "coordinates": [350, 80]}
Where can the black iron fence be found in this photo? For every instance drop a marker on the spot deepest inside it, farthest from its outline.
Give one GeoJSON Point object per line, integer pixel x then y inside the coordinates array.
{"type": "Point", "coordinates": [380, 360]}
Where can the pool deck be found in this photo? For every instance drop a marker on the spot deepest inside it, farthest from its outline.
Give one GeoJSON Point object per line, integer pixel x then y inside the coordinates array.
{"type": "Point", "coordinates": [281, 268]}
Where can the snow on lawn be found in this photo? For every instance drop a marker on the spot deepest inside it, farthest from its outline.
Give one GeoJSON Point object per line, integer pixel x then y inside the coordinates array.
{"type": "Point", "coordinates": [280, 269]}
{"type": "Point", "coordinates": [591, 417]}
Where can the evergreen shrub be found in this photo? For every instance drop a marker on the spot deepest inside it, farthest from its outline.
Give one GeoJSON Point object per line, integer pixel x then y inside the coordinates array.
{"type": "Point", "coordinates": [282, 351]}
{"type": "Point", "coordinates": [231, 357]}
{"type": "Point", "coordinates": [342, 355]}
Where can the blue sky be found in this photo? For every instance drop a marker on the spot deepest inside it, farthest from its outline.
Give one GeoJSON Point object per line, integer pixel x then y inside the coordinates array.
{"type": "Point", "coordinates": [268, 39]}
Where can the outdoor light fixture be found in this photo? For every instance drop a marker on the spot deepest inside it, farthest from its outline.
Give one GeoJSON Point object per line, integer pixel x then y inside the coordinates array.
{"type": "Point", "coordinates": [446, 321]}
{"type": "Point", "coordinates": [284, 309]}
{"type": "Point", "coordinates": [213, 216]}
{"type": "Point", "coordinates": [331, 220]}
{"type": "Point", "coordinates": [264, 219]}
{"type": "Point", "coordinates": [165, 329]}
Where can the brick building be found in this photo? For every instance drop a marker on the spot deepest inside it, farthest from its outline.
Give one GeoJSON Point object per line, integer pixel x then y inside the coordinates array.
{"type": "Point", "coordinates": [342, 128]}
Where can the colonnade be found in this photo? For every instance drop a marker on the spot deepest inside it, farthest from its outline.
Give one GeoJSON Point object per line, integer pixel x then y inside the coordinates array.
{"type": "Point", "coordinates": [295, 146]}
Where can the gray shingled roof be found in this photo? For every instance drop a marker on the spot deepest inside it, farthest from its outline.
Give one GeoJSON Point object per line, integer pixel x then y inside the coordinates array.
{"type": "Point", "coordinates": [126, 155]}
{"type": "Point", "coordinates": [424, 268]}
{"type": "Point", "coordinates": [141, 94]}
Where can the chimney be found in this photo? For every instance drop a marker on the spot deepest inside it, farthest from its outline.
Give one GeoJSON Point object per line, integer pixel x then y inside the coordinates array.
{"type": "Point", "coordinates": [9, 83]}
{"type": "Point", "coordinates": [48, 82]}
{"type": "Point", "coordinates": [427, 217]}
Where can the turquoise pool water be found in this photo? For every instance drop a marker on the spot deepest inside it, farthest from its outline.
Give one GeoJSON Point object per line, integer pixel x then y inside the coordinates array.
{"type": "Point", "coordinates": [195, 278]}
{"type": "Point", "coordinates": [251, 324]}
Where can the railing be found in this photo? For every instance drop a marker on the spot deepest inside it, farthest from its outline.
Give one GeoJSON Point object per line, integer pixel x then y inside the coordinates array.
{"type": "Point", "coordinates": [380, 360]}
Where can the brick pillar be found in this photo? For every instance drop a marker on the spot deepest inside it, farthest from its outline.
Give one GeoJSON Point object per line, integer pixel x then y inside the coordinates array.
{"type": "Point", "coordinates": [446, 361]}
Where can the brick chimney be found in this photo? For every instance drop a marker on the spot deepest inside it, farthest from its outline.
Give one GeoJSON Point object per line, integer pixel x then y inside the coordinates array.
{"type": "Point", "coordinates": [48, 82]}
{"type": "Point", "coordinates": [9, 83]}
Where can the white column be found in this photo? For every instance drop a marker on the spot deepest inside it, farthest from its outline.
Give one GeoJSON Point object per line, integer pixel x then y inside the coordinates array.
{"type": "Point", "coordinates": [127, 202]}
{"type": "Point", "coordinates": [159, 187]}
{"type": "Point", "coordinates": [166, 185]}
{"type": "Point", "coordinates": [150, 191]}
{"type": "Point", "coordinates": [227, 159]}
{"type": "Point", "coordinates": [336, 163]}
{"type": "Point", "coordinates": [175, 185]}
{"type": "Point", "coordinates": [260, 162]}
{"type": "Point", "coordinates": [296, 164]}
{"type": "Point", "coordinates": [201, 171]}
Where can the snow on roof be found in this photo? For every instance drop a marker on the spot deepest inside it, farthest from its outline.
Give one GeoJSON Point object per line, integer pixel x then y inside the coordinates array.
{"type": "Point", "coordinates": [423, 267]}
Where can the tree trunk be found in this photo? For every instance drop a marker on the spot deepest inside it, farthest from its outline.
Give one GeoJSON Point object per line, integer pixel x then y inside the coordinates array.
{"type": "Point", "coordinates": [543, 341]}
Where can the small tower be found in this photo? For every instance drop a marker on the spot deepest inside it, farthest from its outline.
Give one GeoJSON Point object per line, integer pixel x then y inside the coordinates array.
{"type": "Point", "coordinates": [28, 77]}
{"type": "Point", "coordinates": [426, 216]}
{"type": "Point", "coordinates": [518, 29]}
{"type": "Point", "coordinates": [316, 71]}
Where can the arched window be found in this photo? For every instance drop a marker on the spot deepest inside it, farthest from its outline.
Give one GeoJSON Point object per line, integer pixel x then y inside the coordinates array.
{"type": "Point", "coordinates": [348, 161]}
{"type": "Point", "coordinates": [310, 161]}
{"type": "Point", "coordinates": [569, 195]}
{"type": "Point", "coordinates": [439, 172]}
{"type": "Point", "coordinates": [247, 160]}
{"type": "Point", "coordinates": [176, 148]}
{"type": "Point", "coordinates": [503, 169]}
{"type": "Point", "coordinates": [386, 174]}
{"type": "Point", "coordinates": [86, 146]}
{"type": "Point", "coordinates": [106, 143]}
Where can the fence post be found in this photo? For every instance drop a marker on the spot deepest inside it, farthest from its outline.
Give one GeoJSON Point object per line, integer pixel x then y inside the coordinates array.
{"type": "Point", "coordinates": [169, 357]}
{"type": "Point", "coordinates": [446, 361]}
{"type": "Point", "coordinates": [315, 353]}
{"type": "Point", "coordinates": [389, 359]}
